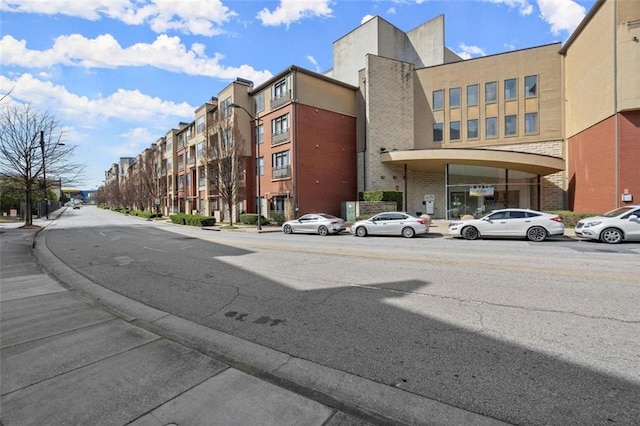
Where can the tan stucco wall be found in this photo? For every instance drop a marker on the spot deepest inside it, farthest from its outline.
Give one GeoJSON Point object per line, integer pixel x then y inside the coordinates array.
{"type": "Point", "coordinates": [628, 49]}
{"type": "Point", "coordinates": [324, 94]}
{"type": "Point", "coordinates": [589, 73]}
{"type": "Point", "coordinates": [544, 61]}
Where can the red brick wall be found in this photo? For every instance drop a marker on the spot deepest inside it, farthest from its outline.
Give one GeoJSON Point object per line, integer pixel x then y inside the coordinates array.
{"type": "Point", "coordinates": [326, 160]}
{"type": "Point", "coordinates": [630, 154]}
{"type": "Point", "coordinates": [591, 162]}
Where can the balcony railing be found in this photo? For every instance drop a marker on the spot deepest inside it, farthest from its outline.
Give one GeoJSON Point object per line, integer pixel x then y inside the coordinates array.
{"type": "Point", "coordinates": [281, 172]}
{"type": "Point", "coordinates": [191, 161]}
{"type": "Point", "coordinates": [281, 100]}
{"type": "Point", "coordinates": [280, 137]}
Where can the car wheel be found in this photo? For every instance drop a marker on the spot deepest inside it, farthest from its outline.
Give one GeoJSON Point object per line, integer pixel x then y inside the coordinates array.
{"type": "Point", "coordinates": [611, 236]}
{"type": "Point", "coordinates": [537, 234]}
{"type": "Point", "coordinates": [361, 231]}
{"type": "Point", "coordinates": [323, 230]}
{"type": "Point", "coordinates": [408, 232]}
{"type": "Point", "coordinates": [470, 233]}
{"type": "Point", "coordinates": [287, 229]}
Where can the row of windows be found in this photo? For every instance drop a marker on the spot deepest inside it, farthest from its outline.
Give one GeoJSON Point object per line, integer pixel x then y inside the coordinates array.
{"type": "Point", "coordinates": [280, 164]}
{"type": "Point", "coordinates": [490, 127]}
{"type": "Point", "coordinates": [510, 87]}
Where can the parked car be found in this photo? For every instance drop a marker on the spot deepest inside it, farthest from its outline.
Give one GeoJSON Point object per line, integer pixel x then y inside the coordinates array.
{"type": "Point", "coordinates": [612, 227]}
{"type": "Point", "coordinates": [534, 225]}
{"type": "Point", "coordinates": [315, 223]}
{"type": "Point", "coordinates": [390, 223]}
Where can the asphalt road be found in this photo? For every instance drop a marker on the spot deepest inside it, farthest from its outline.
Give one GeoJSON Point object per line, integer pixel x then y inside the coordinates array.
{"type": "Point", "coordinates": [528, 333]}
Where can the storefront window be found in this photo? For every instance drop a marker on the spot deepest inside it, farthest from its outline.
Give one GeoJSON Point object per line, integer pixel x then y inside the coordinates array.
{"type": "Point", "coordinates": [476, 190]}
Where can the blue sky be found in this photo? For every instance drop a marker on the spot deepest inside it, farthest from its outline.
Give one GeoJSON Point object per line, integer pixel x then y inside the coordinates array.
{"type": "Point", "coordinates": [118, 74]}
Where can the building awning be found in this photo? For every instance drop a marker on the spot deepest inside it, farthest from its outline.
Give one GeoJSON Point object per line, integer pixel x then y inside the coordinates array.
{"type": "Point", "coordinates": [434, 160]}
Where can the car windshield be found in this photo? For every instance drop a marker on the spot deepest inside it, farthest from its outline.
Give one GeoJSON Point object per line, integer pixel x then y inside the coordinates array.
{"type": "Point", "coordinates": [617, 212]}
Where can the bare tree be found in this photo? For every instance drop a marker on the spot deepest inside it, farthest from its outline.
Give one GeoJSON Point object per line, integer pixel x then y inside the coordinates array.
{"type": "Point", "coordinates": [224, 158]}
{"type": "Point", "coordinates": [32, 144]}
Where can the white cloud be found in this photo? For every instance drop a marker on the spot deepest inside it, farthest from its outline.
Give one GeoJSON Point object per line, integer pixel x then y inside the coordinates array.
{"type": "Point", "coordinates": [366, 18]}
{"type": "Point", "coordinates": [127, 105]}
{"type": "Point", "coordinates": [563, 15]}
{"type": "Point", "coordinates": [198, 17]}
{"type": "Point", "coordinates": [524, 7]}
{"type": "Point", "coordinates": [468, 52]}
{"type": "Point", "coordinates": [289, 11]}
{"type": "Point", "coordinates": [166, 53]}
{"type": "Point", "coordinates": [391, 11]}
{"type": "Point", "coordinates": [135, 141]}
{"type": "Point", "coordinates": [314, 62]}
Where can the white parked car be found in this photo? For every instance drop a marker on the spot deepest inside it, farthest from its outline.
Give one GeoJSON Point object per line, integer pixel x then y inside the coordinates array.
{"type": "Point", "coordinates": [532, 224]}
{"type": "Point", "coordinates": [390, 223]}
{"type": "Point", "coordinates": [612, 227]}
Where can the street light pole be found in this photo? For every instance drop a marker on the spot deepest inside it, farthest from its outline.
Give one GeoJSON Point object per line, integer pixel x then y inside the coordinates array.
{"type": "Point", "coordinates": [257, 121]}
{"type": "Point", "coordinates": [44, 176]}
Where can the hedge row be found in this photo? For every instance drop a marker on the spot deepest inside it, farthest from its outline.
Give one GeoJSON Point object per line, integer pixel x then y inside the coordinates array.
{"type": "Point", "coordinates": [192, 219]}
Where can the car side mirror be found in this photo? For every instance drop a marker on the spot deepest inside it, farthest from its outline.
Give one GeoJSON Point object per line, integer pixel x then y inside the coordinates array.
{"type": "Point", "coordinates": [633, 217]}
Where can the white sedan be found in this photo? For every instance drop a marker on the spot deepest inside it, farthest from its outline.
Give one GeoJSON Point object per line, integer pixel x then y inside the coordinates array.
{"type": "Point", "coordinates": [390, 223]}
{"type": "Point", "coordinates": [315, 223]}
{"type": "Point", "coordinates": [612, 227]}
{"type": "Point", "coordinates": [534, 225]}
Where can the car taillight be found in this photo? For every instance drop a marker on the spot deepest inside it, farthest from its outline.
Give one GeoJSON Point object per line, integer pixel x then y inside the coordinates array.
{"type": "Point", "coordinates": [557, 219]}
{"type": "Point", "coordinates": [421, 222]}
{"type": "Point", "coordinates": [334, 222]}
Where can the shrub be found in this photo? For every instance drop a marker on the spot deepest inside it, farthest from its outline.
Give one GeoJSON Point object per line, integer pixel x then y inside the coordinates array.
{"type": "Point", "coordinates": [569, 218]}
{"type": "Point", "coordinates": [191, 219]}
{"type": "Point", "coordinates": [277, 218]}
{"type": "Point", "coordinates": [178, 218]}
{"type": "Point", "coordinates": [252, 219]}
{"type": "Point", "coordinates": [383, 196]}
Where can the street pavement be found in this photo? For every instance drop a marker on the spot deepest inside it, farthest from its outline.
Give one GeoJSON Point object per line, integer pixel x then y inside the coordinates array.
{"type": "Point", "coordinates": [74, 353]}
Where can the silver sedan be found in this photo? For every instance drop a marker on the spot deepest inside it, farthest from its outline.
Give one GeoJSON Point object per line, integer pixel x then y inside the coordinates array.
{"type": "Point", "coordinates": [390, 223]}
{"type": "Point", "coordinates": [315, 223]}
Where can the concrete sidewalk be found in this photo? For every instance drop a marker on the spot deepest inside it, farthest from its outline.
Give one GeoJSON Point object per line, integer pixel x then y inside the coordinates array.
{"type": "Point", "coordinates": [74, 353]}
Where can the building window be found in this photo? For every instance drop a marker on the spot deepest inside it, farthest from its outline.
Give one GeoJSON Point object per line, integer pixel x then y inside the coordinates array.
{"type": "Point", "coordinates": [280, 89]}
{"type": "Point", "coordinates": [490, 92]}
{"type": "Point", "coordinates": [454, 97]}
{"type": "Point", "coordinates": [454, 131]}
{"type": "Point", "coordinates": [199, 125]}
{"type": "Point", "coordinates": [531, 123]}
{"type": "Point", "coordinates": [472, 129]}
{"type": "Point", "coordinates": [531, 86]}
{"type": "Point", "coordinates": [224, 107]}
{"type": "Point", "coordinates": [437, 132]}
{"type": "Point", "coordinates": [200, 150]}
{"type": "Point", "coordinates": [260, 166]}
{"type": "Point", "coordinates": [510, 89]}
{"type": "Point", "coordinates": [491, 127]}
{"type": "Point", "coordinates": [472, 95]}
{"type": "Point", "coordinates": [260, 134]}
{"type": "Point", "coordinates": [511, 125]}
{"type": "Point", "coordinates": [258, 101]}
{"type": "Point", "coordinates": [281, 168]}
{"type": "Point", "coordinates": [280, 124]}
{"type": "Point", "coordinates": [227, 138]}
{"type": "Point", "coordinates": [181, 183]}
{"type": "Point", "coordinates": [438, 98]}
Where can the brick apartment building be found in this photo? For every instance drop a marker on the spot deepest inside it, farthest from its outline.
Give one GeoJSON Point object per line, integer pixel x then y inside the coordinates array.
{"type": "Point", "coordinates": [548, 127]}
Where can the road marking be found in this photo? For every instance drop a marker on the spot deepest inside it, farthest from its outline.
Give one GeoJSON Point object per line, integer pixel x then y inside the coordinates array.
{"type": "Point", "coordinates": [153, 249]}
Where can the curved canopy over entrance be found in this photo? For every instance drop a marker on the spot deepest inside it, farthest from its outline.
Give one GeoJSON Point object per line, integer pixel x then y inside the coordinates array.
{"type": "Point", "coordinates": [434, 160]}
